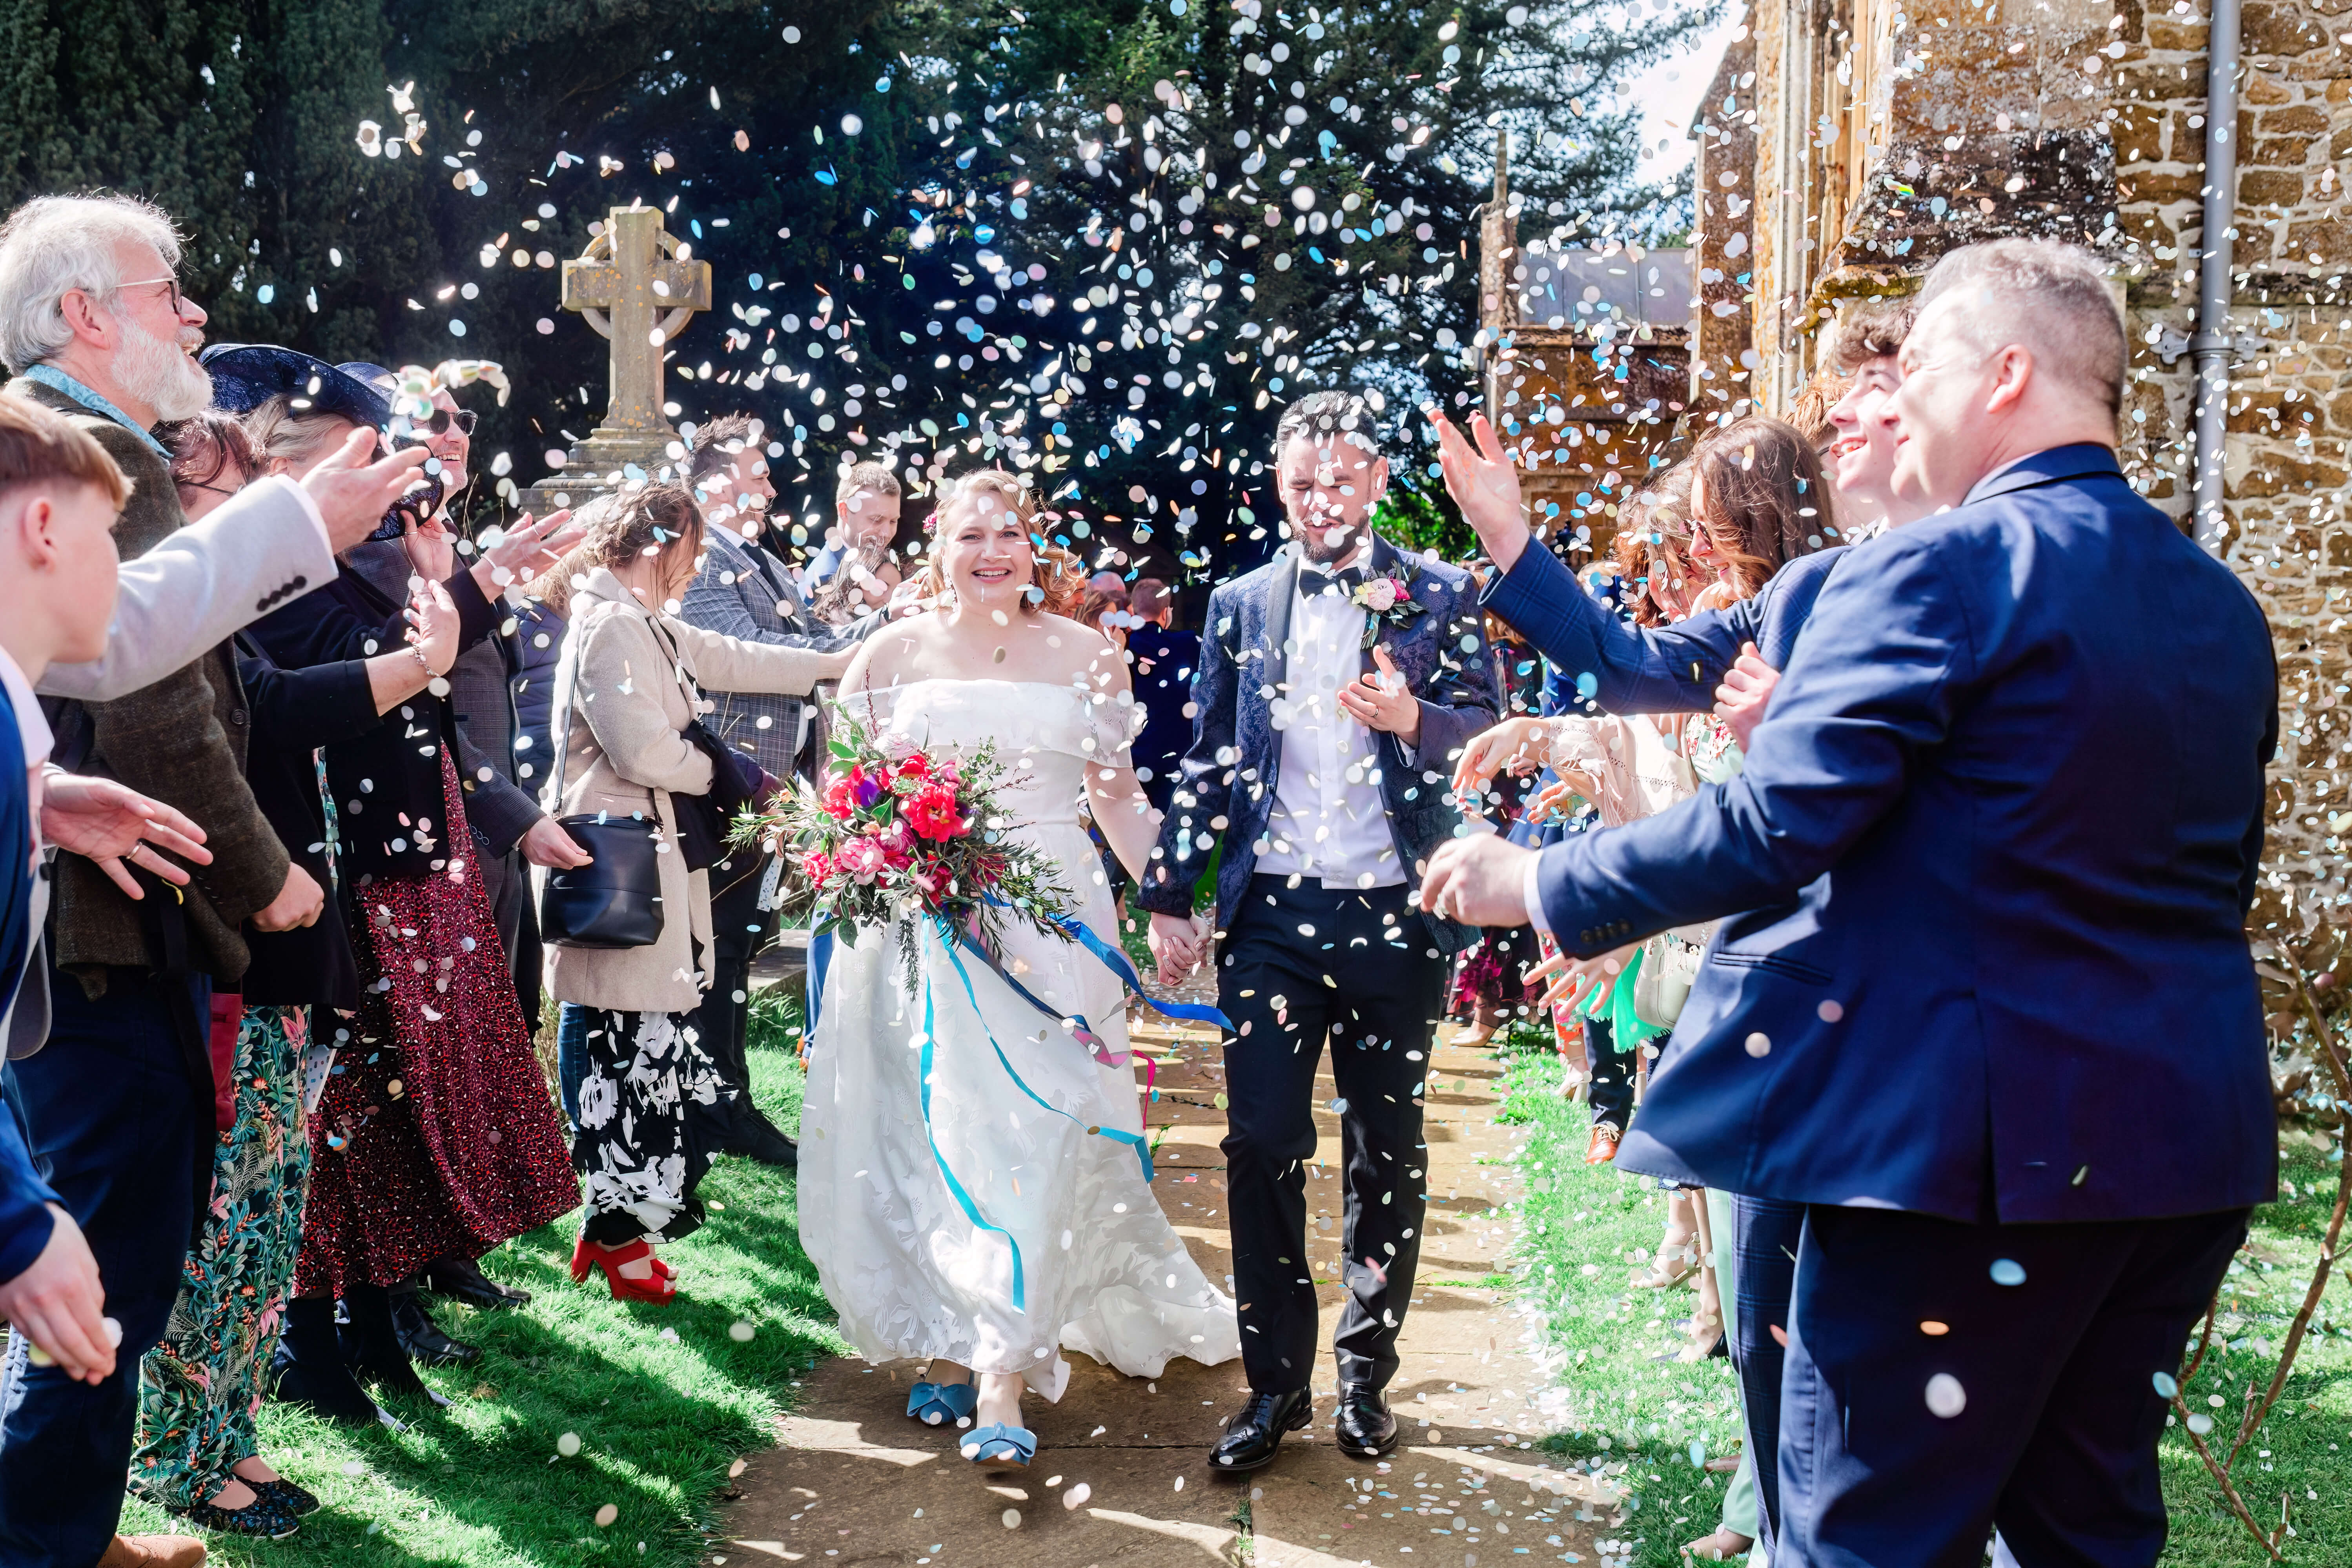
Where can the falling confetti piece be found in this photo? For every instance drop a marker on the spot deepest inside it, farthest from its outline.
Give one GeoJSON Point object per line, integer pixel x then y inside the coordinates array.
{"type": "Point", "coordinates": [606, 1515]}
{"type": "Point", "coordinates": [567, 1445]}
{"type": "Point", "coordinates": [1759, 1045]}
{"type": "Point", "coordinates": [740, 1333]}
{"type": "Point", "coordinates": [1934, 1328]}
{"type": "Point", "coordinates": [1946, 1397]}
{"type": "Point", "coordinates": [2008, 1271]}
{"type": "Point", "coordinates": [1011, 1518]}
{"type": "Point", "coordinates": [1076, 1497]}
{"type": "Point", "coordinates": [2165, 1386]}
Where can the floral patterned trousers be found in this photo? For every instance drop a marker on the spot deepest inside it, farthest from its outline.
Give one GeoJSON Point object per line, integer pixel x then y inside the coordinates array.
{"type": "Point", "coordinates": [638, 1165]}
{"type": "Point", "coordinates": [199, 1388]}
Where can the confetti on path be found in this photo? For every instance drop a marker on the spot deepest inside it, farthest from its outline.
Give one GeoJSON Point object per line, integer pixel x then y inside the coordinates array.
{"type": "Point", "coordinates": [1129, 1468]}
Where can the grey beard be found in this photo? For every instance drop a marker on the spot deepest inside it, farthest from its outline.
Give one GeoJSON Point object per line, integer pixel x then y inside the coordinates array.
{"type": "Point", "coordinates": [160, 376]}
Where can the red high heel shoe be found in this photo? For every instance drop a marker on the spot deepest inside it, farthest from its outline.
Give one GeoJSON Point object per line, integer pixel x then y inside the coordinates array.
{"type": "Point", "coordinates": [660, 1288]}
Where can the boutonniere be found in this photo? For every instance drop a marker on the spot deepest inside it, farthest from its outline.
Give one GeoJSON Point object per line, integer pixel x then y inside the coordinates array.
{"type": "Point", "coordinates": [1386, 600]}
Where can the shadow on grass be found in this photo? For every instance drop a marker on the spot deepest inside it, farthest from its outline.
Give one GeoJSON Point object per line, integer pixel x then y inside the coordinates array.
{"type": "Point", "coordinates": [662, 1399]}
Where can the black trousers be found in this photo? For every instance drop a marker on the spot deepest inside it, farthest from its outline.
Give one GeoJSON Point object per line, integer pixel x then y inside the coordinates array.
{"type": "Point", "coordinates": [738, 930]}
{"type": "Point", "coordinates": [118, 1117]}
{"type": "Point", "coordinates": [2035, 1412]}
{"type": "Point", "coordinates": [1300, 964]}
{"type": "Point", "coordinates": [1611, 1089]}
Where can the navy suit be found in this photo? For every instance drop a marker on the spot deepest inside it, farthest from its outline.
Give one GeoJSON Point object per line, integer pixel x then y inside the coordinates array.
{"type": "Point", "coordinates": [1298, 964]}
{"type": "Point", "coordinates": [1626, 668]}
{"type": "Point", "coordinates": [1984, 965]}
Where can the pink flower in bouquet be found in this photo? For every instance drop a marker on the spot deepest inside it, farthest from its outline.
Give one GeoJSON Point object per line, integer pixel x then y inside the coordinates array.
{"type": "Point", "coordinates": [862, 858]}
{"type": "Point", "coordinates": [817, 866]}
{"type": "Point", "coordinates": [931, 812]}
{"type": "Point", "coordinates": [897, 844]}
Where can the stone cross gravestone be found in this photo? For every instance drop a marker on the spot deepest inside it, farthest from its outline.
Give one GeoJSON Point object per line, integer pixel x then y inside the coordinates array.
{"type": "Point", "coordinates": [638, 285]}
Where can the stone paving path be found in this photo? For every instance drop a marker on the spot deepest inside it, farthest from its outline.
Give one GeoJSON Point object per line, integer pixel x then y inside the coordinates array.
{"type": "Point", "coordinates": [1122, 1476]}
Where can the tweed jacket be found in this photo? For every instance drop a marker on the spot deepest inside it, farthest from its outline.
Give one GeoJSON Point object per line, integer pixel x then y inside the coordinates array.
{"type": "Point", "coordinates": [260, 547]}
{"type": "Point", "coordinates": [1243, 669]}
{"type": "Point", "coordinates": [742, 592]}
{"type": "Point", "coordinates": [481, 700]}
{"type": "Point", "coordinates": [182, 740]}
{"type": "Point", "coordinates": [624, 688]}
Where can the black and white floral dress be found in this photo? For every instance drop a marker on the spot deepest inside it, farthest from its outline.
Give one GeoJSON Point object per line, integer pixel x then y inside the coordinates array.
{"type": "Point", "coordinates": [638, 1166]}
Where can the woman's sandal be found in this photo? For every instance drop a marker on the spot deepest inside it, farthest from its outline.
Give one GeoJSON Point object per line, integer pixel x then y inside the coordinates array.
{"type": "Point", "coordinates": [1000, 1448]}
{"type": "Point", "coordinates": [941, 1403]}
{"type": "Point", "coordinates": [660, 1287]}
{"type": "Point", "coordinates": [1673, 1264]}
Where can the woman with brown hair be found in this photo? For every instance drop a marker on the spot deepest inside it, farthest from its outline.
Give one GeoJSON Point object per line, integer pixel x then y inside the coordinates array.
{"type": "Point", "coordinates": [1015, 1221]}
{"type": "Point", "coordinates": [627, 696]}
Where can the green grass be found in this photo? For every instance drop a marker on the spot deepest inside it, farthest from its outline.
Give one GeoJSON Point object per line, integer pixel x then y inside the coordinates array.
{"type": "Point", "coordinates": [1616, 1399]}
{"type": "Point", "coordinates": [663, 1399]}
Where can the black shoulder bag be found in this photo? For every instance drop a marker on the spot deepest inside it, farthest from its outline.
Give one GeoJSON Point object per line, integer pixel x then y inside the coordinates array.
{"type": "Point", "coordinates": [614, 900]}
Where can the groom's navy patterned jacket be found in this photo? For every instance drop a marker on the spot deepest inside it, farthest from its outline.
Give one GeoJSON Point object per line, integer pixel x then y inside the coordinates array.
{"type": "Point", "coordinates": [1226, 785]}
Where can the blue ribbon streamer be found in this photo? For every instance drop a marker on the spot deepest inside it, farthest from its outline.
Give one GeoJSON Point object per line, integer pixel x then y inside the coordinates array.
{"type": "Point", "coordinates": [1114, 960]}
{"type": "Point", "coordinates": [948, 939]}
{"type": "Point", "coordinates": [955, 1188]}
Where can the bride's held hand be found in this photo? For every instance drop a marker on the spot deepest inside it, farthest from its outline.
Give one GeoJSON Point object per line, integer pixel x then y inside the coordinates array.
{"type": "Point", "coordinates": [1177, 942]}
{"type": "Point", "coordinates": [1578, 977]}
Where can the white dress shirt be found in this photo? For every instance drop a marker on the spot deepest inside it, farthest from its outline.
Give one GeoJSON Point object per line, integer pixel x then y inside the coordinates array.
{"type": "Point", "coordinates": [1329, 820]}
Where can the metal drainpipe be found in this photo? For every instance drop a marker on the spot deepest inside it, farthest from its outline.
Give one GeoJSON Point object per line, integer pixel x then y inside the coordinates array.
{"type": "Point", "coordinates": [2210, 348]}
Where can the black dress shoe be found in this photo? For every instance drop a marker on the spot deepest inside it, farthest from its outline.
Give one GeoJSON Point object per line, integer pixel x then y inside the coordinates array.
{"type": "Point", "coordinates": [462, 1279]}
{"type": "Point", "coordinates": [1367, 1427]}
{"type": "Point", "coordinates": [1255, 1432]}
{"type": "Point", "coordinates": [422, 1337]}
{"type": "Point", "coordinates": [742, 1129]}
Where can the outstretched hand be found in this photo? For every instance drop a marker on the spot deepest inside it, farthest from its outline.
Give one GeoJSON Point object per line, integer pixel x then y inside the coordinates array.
{"type": "Point", "coordinates": [107, 824]}
{"type": "Point", "coordinates": [1485, 483]}
{"type": "Point", "coordinates": [1480, 880]}
{"type": "Point", "coordinates": [1573, 980]}
{"type": "Point", "coordinates": [1384, 701]}
{"type": "Point", "coordinates": [526, 549]}
{"type": "Point", "coordinates": [1516, 746]}
{"type": "Point", "coordinates": [352, 494]}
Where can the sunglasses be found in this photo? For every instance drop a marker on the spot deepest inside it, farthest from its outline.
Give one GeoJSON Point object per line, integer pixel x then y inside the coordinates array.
{"type": "Point", "coordinates": [464, 419]}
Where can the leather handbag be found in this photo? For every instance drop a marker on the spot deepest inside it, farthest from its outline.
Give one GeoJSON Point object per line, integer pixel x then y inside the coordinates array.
{"type": "Point", "coordinates": [614, 900]}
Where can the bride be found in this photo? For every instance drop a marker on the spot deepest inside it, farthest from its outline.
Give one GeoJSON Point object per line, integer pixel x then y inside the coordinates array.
{"type": "Point", "coordinates": [1049, 1237]}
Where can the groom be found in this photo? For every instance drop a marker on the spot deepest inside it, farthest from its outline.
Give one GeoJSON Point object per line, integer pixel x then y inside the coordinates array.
{"type": "Point", "coordinates": [1989, 1011]}
{"type": "Point", "coordinates": [1337, 686]}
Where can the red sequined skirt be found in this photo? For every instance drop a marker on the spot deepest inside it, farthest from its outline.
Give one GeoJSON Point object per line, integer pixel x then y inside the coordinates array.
{"type": "Point", "coordinates": [435, 1134]}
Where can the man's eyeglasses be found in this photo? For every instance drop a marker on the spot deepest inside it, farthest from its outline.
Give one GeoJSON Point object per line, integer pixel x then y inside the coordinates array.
{"type": "Point", "coordinates": [464, 419]}
{"type": "Point", "coordinates": [171, 283]}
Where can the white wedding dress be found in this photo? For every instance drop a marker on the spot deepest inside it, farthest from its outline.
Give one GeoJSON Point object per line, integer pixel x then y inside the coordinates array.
{"type": "Point", "coordinates": [909, 1273]}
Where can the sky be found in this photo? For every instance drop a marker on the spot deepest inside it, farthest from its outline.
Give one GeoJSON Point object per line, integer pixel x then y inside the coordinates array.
{"type": "Point", "coordinates": [1671, 91]}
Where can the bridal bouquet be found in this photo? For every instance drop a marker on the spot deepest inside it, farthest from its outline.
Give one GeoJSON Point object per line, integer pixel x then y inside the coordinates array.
{"type": "Point", "coordinates": [893, 837]}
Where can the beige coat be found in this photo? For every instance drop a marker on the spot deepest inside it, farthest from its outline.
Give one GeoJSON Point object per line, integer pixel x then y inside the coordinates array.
{"type": "Point", "coordinates": [622, 703]}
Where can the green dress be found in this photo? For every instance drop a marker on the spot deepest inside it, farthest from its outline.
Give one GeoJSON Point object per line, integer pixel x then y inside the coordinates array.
{"type": "Point", "coordinates": [199, 1388]}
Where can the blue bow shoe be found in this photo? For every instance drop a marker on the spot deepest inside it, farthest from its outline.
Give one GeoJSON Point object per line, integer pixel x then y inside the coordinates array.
{"type": "Point", "coordinates": [941, 1403]}
{"type": "Point", "coordinates": [1007, 1448]}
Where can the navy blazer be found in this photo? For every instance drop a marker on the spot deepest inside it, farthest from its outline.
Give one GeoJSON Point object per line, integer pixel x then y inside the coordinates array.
{"type": "Point", "coordinates": [1441, 653]}
{"type": "Point", "coordinates": [1626, 668]}
{"type": "Point", "coordinates": [25, 1220]}
{"type": "Point", "coordinates": [1994, 842]}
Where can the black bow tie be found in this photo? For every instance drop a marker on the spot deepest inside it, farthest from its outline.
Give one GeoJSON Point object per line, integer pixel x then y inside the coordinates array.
{"type": "Point", "coordinates": [1314, 579]}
